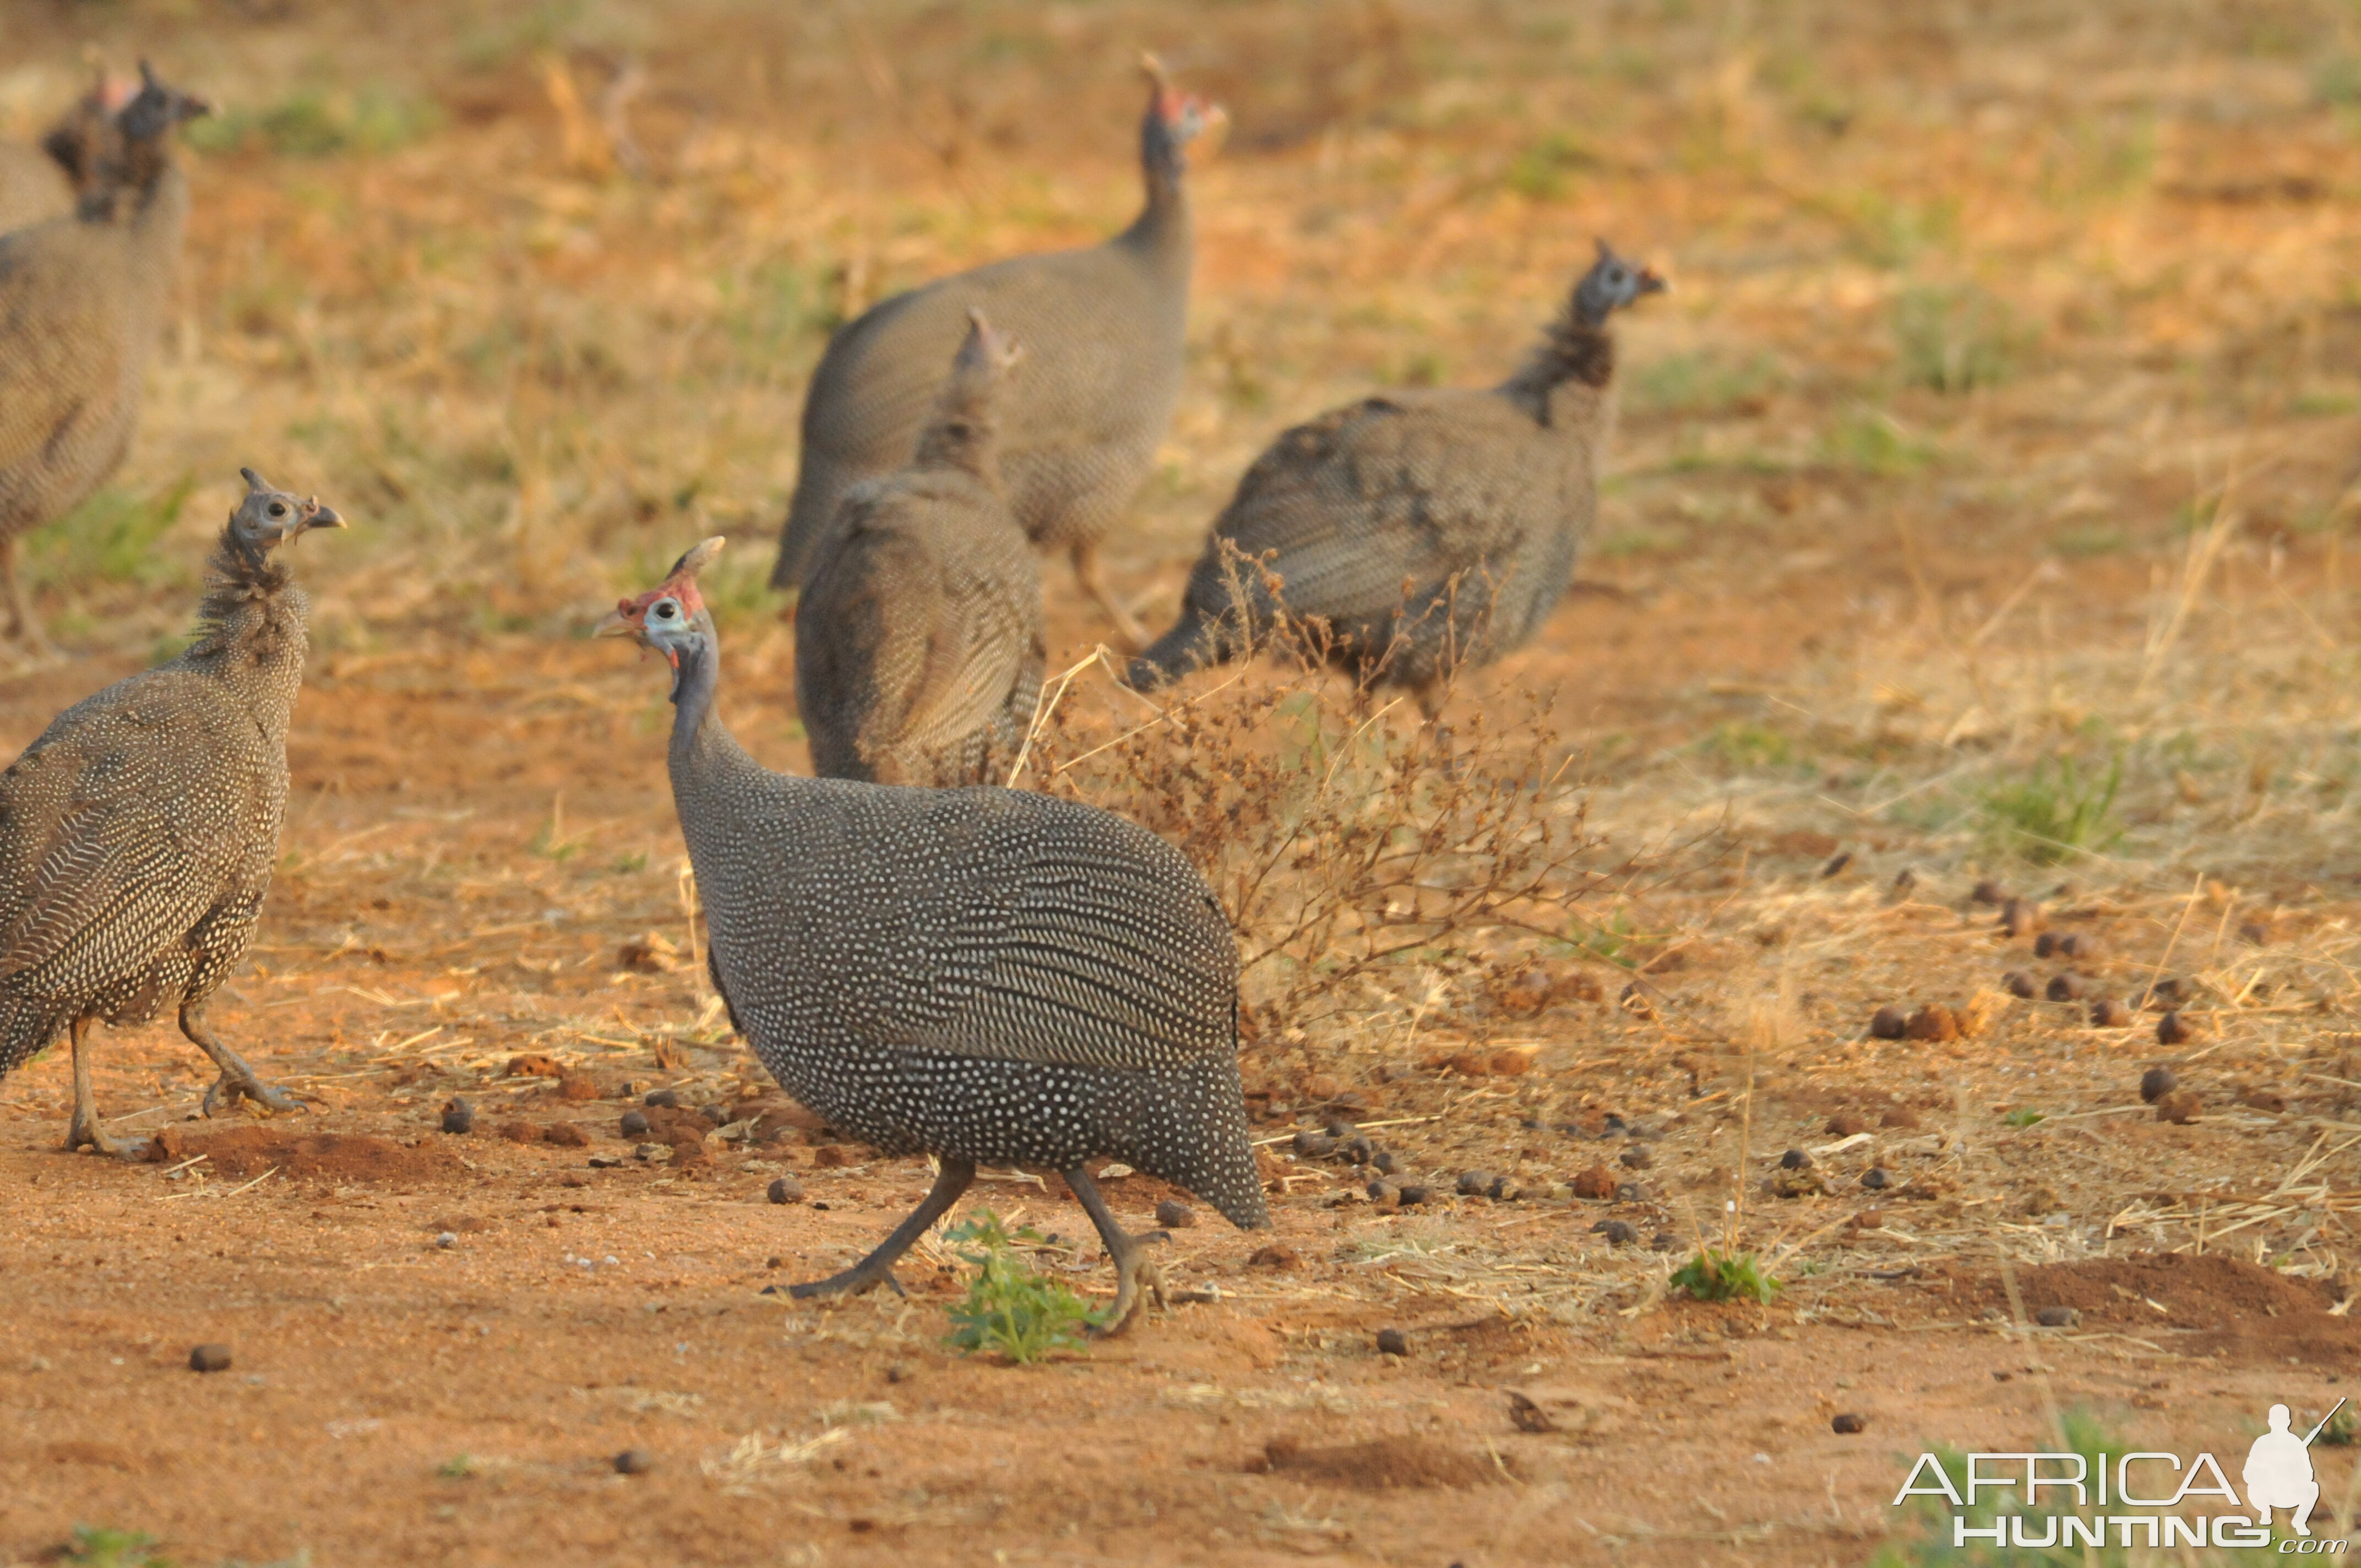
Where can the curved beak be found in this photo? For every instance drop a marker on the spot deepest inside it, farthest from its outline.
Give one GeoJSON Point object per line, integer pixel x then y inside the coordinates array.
{"type": "Point", "coordinates": [325, 517]}
{"type": "Point", "coordinates": [1654, 283]}
{"type": "Point", "coordinates": [616, 625]}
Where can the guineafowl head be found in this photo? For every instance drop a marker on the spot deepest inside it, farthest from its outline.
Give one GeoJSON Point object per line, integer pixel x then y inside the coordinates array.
{"type": "Point", "coordinates": [83, 137]}
{"type": "Point", "coordinates": [671, 618]}
{"type": "Point", "coordinates": [268, 517]}
{"type": "Point", "coordinates": [1175, 119]}
{"type": "Point", "coordinates": [156, 108]}
{"type": "Point", "coordinates": [1610, 284]}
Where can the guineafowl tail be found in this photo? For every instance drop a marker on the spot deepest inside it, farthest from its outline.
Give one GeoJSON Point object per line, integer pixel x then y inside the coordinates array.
{"type": "Point", "coordinates": [1190, 645]}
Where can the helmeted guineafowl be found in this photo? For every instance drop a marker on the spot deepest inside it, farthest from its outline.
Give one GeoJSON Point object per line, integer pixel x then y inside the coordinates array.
{"type": "Point", "coordinates": [1104, 331]}
{"type": "Point", "coordinates": [82, 301]}
{"type": "Point", "coordinates": [138, 833]}
{"type": "Point", "coordinates": [1424, 528]}
{"type": "Point", "coordinates": [985, 975]}
{"type": "Point", "coordinates": [38, 183]}
{"type": "Point", "coordinates": [918, 645]}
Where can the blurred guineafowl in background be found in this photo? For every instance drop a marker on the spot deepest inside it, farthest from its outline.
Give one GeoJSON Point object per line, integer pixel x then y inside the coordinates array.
{"type": "Point", "coordinates": [1103, 329]}
{"type": "Point", "coordinates": [138, 833]}
{"type": "Point", "coordinates": [1423, 528]}
{"type": "Point", "coordinates": [81, 300]}
{"type": "Point", "coordinates": [38, 183]}
{"type": "Point", "coordinates": [919, 646]}
{"type": "Point", "coordinates": [985, 975]}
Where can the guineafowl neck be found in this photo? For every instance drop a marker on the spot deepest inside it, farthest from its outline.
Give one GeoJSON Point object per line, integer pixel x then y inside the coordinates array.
{"type": "Point", "coordinates": [1576, 355]}
{"type": "Point", "coordinates": [1160, 234]}
{"type": "Point", "coordinates": [703, 750]}
{"type": "Point", "coordinates": [965, 438]}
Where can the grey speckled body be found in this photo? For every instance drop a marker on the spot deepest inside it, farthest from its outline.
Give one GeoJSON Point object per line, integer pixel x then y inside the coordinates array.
{"type": "Point", "coordinates": [82, 302]}
{"type": "Point", "coordinates": [1425, 529]}
{"type": "Point", "coordinates": [138, 832]}
{"type": "Point", "coordinates": [918, 640]}
{"type": "Point", "coordinates": [1103, 330]}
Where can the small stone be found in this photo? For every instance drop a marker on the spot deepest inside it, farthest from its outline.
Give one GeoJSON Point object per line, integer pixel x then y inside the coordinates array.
{"type": "Point", "coordinates": [1474, 1183]}
{"type": "Point", "coordinates": [519, 1132]}
{"type": "Point", "coordinates": [2167, 993]}
{"type": "Point", "coordinates": [447, 1240]}
{"type": "Point", "coordinates": [2180, 1107]}
{"type": "Point", "coordinates": [1849, 1423]}
{"type": "Point", "coordinates": [634, 1124]}
{"type": "Point", "coordinates": [564, 1135]}
{"type": "Point", "coordinates": [899, 1371]}
{"type": "Point", "coordinates": [1933, 1022]}
{"type": "Point", "coordinates": [2172, 1029]}
{"type": "Point", "coordinates": [2065, 987]}
{"type": "Point", "coordinates": [2109, 1014]}
{"type": "Point", "coordinates": [1904, 880]}
{"type": "Point", "coordinates": [1392, 1342]}
{"type": "Point", "coordinates": [2020, 984]}
{"type": "Point", "coordinates": [1630, 1192]}
{"type": "Point", "coordinates": [1887, 1024]}
{"type": "Point", "coordinates": [1597, 1182]}
{"type": "Point", "coordinates": [1619, 1232]}
{"type": "Point", "coordinates": [209, 1358]}
{"type": "Point", "coordinates": [1875, 1178]}
{"type": "Point", "coordinates": [1785, 1183]}
{"type": "Point", "coordinates": [2157, 1082]}
{"type": "Point", "coordinates": [1313, 1145]}
{"type": "Point", "coordinates": [786, 1189]}
{"type": "Point", "coordinates": [1173, 1216]}
{"type": "Point", "coordinates": [1382, 1191]}
{"type": "Point", "coordinates": [459, 1117]}
{"type": "Point", "coordinates": [1663, 1241]}
{"type": "Point", "coordinates": [1900, 1118]}
{"type": "Point", "coordinates": [2045, 944]}
{"type": "Point", "coordinates": [2020, 915]}
{"type": "Point", "coordinates": [715, 1114]}
{"type": "Point", "coordinates": [2081, 946]}
{"type": "Point", "coordinates": [2254, 934]}
{"type": "Point", "coordinates": [1988, 892]}
{"type": "Point", "coordinates": [667, 1098]}
{"type": "Point", "coordinates": [2059, 1317]}
{"type": "Point", "coordinates": [1795, 1159]}
{"type": "Point", "coordinates": [1277, 1255]}
{"type": "Point", "coordinates": [1384, 1163]}
{"type": "Point", "coordinates": [1357, 1149]}
{"type": "Point", "coordinates": [1340, 1129]}
{"type": "Point", "coordinates": [634, 1462]}
{"type": "Point", "coordinates": [1837, 863]}
{"type": "Point", "coordinates": [1414, 1192]}
{"type": "Point", "coordinates": [1868, 1220]}
{"type": "Point", "coordinates": [604, 1162]}
{"type": "Point", "coordinates": [1505, 1189]}
{"type": "Point", "coordinates": [1634, 1159]}
{"type": "Point", "coordinates": [2263, 1100]}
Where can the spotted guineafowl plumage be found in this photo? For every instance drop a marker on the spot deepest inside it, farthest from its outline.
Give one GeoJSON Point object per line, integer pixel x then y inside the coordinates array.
{"type": "Point", "coordinates": [137, 834]}
{"type": "Point", "coordinates": [1103, 330]}
{"type": "Point", "coordinates": [1426, 530]}
{"type": "Point", "coordinates": [918, 644]}
{"type": "Point", "coordinates": [986, 975]}
{"type": "Point", "coordinates": [82, 302]}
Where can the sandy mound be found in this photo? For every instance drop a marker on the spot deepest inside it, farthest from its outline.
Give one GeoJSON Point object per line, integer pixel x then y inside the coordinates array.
{"type": "Point", "coordinates": [328, 1156]}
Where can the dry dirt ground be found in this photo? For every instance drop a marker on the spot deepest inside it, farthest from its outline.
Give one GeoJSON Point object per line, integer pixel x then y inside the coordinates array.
{"type": "Point", "coordinates": [1997, 444]}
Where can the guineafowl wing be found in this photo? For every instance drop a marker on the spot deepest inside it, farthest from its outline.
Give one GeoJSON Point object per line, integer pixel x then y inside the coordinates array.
{"type": "Point", "coordinates": [125, 851]}
{"type": "Point", "coordinates": [65, 355]}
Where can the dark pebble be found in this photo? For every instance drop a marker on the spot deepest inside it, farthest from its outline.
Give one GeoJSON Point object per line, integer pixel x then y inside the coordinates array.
{"type": "Point", "coordinates": [636, 1124]}
{"type": "Point", "coordinates": [1175, 1216]}
{"type": "Point", "coordinates": [1613, 1124]}
{"type": "Point", "coordinates": [2157, 1082]}
{"type": "Point", "coordinates": [458, 1117]}
{"type": "Point", "coordinates": [634, 1462]}
{"type": "Point", "coordinates": [1904, 880]}
{"type": "Point", "coordinates": [209, 1358]}
{"type": "Point", "coordinates": [1384, 1163]}
{"type": "Point", "coordinates": [1313, 1145]}
{"type": "Point", "coordinates": [2045, 944]}
{"type": "Point", "coordinates": [1630, 1193]}
{"type": "Point", "coordinates": [1875, 1178]}
{"type": "Point", "coordinates": [1989, 892]}
{"type": "Point", "coordinates": [2067, 987]}
{"type": "Point", "coordinates": [667, 1098]}
{"type": "Point", "coordinates": [1837, 864]}
{"type": "Point", "coordinates": [2168, 992]}
{"type": "Point", "coordinates": [1665, 1241]}
{"type": "Point", "coordinates": [2173, 1030]}
{"type": "Point", "coordinates": [1392, 1342]}
{"type": "Point", "coordinates": [604, 1162]}
{"type": "Point", "coordinates": [1475, 1183]}
{"type": "Point", "coordinates": [1795, 1159]}
{"type": "Point", "coordinates": [1635, 1159]}
{"type": "Point", "coordinates": [716, 1114]}
{"type": "Point", "coordinates": [786, 1189]}
{"type": "Point", "coordinates": [2019, 916]}
{"type": "Point", "coordinates": [1887, 1024]}
{"type": "Point", "coordinates": [1381, 1190]}
{"type": "Point", "coordinates": [2059, 1317]}
{"type": "Point", "coordinates": [2020, 983]}
{"type": "Point", "coordinates": [2081, 945]}
{"type": "Point", "coordinates": [2254, 934]}
{"type": "Point", "coordinates": [1415, 1192]}
{"type": "Point", "coordinates": [1340, 1129]}
{"type": "Point", "coordinates": [1505, 1189]}
{"type": "Point", "coordinates": [1619, 1232]}
{"type": "Point", "coordinates": [1849, 1423]}
{"type": "Point", "coordinates": [1359, 1150]}
{"type": "Point", "coordinates": [898, 1373]}
{"type": "Point", "coordinates": [2109, 1014]}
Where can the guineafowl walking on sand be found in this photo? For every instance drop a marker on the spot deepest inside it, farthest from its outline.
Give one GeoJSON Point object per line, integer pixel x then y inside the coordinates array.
{"type": "Point", "coordinates": [1103, 329]}
{"type": "Point", "coordinates": [81, 300]}
{"type": "Point", "coordinates": [137, 834]}
{"type": "Point", "coordinates": [985, 975]}
{"type": "Point", "coordinates": [918, 645]}
{"type": "Point", "coordinates": [1424, 528]}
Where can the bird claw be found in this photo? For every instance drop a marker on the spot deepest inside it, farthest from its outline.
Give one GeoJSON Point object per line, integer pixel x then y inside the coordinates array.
{"type": "Point", "coordinates": [229, 1088]}
{"type": "Point", "coordinates": [1136, 1273]}
{"type": "Point", "coordinates": [88, 1135]}
{"type": "Point", "coordinates": [853, 1281]}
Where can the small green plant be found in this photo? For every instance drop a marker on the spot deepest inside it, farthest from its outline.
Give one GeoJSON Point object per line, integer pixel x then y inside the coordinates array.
{"type": "Point", "coordinates": [2025, 1116]}
{"type": "Point", "coordinates": [2339, 1431]}
{"type": "Point", "coordinates": [1011, 1310]}
{"type": "Point", "coordinates": [2084, 543]}
{"type": "Point", "coordinates": [112, 538]}
{"type": "Point", "coordinates": [1746, 747]}
{"type": "Point", "coordinates": [1543, 172]}
{"type": "Point", "coordinates": [1870, 441]}
{"type": "Point", "coordinates": [2057, 813]}
{"type": "Point", "coordinates": [1608, 940]}
{"type": "Point", "coordinates": [458, 1467]}
{"type": "Point", "coordinates": [1705, 385]}
{"type": "Point", "coordinates": [1924, 1538]}
{"type": "Point", "coordinates": [1714, 1275]}
{"type": "Point", "coordinates": [1954, 339]}
{"type": "Point", "coordinates": [97, 1548]}
{"type": "Point", "coordinates": [313, 124]}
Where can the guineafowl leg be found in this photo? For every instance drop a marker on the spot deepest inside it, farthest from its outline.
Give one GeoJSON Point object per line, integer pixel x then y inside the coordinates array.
{"type": "Point", "coordinates": [236, 1081]}
{"type": "Point", "coordinates": [1133, 1267]}
{"type": "Point", "coordinates": [1086, 572]}
{"type": "Point", "coordinates": [22, 628]}
{"type": "Point", "coordinates": [85, 1128]}
{"type": "Point", "coordinates": [877, 1268]}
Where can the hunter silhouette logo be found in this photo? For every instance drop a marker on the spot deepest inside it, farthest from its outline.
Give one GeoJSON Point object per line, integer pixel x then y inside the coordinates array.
{"type": "Point", "coordinates": [2277, 1475]}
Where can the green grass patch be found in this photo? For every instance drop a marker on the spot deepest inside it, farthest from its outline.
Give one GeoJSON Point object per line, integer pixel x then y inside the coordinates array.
{"type": "Point", "coordinates": [1544, 171]}
{"type": "Point", "coordinates": [2058, 812]}
{"type": "Point", "coordinates": [1955, 338]}
{"type": "Point", "coordinates": [313, 124]}
{"type": "Point", "coordinates": [1745, 747]}
{"type": "Point", "coordinates": [2084, 544]}
{"type": "Point", "coordinates": [1924, 1538]}
{"type": "Point", "coordinates": [1713, 1276]}
{"type": "Point", "coordinates": [2025, 1116]}
{"type": "Point", "coordinates": [1870, 441]}
{"type": "Point", "coordinates": [94, 1547]}
{"type": "Point", "coordinates": [1703, 385]}
{"type": "Point", "coordinates": [110, 538]}
{"type": "Point", "coordinates": [1011, 1310]}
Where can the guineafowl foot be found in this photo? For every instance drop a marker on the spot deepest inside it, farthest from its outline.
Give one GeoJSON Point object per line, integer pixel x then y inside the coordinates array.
{"type": "Point", "coordinates": [85, 1131]}
{"type": "Point", "coordinates": [1134, 1271]}
{"type": "Point", "coordinates": [237, 1081]}
{"type": "Point", "coordinates": [877, 1268]}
